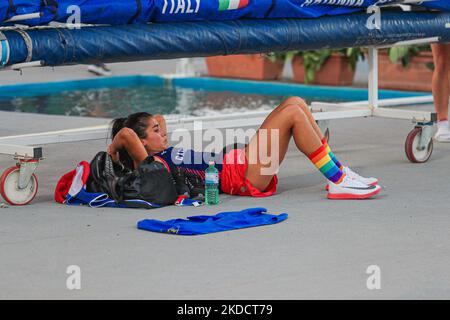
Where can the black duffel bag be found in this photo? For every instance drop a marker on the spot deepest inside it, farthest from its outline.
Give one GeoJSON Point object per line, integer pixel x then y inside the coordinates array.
{"type": "Point", "coordinates": [150, 182]}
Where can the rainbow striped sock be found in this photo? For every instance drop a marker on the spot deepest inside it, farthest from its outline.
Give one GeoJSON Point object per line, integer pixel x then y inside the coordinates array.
{"type": "Point", "coordinates": [322, 160]}
{"type": "Point", "coordinates": [331, 154]}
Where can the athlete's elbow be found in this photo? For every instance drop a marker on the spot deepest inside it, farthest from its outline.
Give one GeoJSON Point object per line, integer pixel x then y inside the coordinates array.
{"type": "Point", "coordinates": [127, 134]}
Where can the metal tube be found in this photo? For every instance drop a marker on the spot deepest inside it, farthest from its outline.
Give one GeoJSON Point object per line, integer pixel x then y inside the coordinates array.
{"type": "Point", "coordinates": [411, 42]}
{"type": "Point", "coordinates": [373, 78]}
{"type": "Point", "coordinates": [22, 17]}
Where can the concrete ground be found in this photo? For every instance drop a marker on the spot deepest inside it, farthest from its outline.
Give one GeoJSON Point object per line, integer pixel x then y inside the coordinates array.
{"type": "Point", "coordinates": [77, 72]}
{"type": "Point", "coordinates": [321, 252]}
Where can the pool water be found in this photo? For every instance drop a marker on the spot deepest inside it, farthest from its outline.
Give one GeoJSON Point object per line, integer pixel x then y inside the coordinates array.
{"type": "Point", "coordinates": [119, 102]}
{"type": "Point", "coordinates": [120, 96]}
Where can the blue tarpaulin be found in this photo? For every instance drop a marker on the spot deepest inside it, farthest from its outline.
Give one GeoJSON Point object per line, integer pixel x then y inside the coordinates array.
{"type": "Point", "coordinates": [193, 39]}
{"type": "Point", "coordinates": [117, 12]}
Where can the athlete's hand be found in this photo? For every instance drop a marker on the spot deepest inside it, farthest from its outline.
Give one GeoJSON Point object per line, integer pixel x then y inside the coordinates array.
{"type": "Point", "coordinates": [114, 154]}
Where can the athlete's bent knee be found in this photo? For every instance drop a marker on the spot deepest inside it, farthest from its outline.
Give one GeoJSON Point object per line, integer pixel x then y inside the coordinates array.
{"type": "Point", "coordinates": [294, 100]}
{"type": "Point", "coordinates": [294, 112]}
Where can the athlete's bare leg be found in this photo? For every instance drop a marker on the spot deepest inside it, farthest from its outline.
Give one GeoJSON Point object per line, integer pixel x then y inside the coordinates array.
{"type": "Point", "coordinates": [292, 118]}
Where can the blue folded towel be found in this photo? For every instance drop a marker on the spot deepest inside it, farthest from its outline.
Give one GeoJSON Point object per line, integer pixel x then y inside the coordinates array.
{"type": "Point", "coordinates": [223, 221]}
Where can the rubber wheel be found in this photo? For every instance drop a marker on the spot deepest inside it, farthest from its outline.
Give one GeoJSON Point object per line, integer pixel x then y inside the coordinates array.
{"type": "Point", "coordinates": [9, 188]}
{"type": "Point", "coordinates": [412, 152]}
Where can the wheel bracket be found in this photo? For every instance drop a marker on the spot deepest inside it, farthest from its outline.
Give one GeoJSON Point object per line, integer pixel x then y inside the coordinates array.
{"type": "Point", "coordinates": [323, 125]}
{"type": "Point", "coordinates": [27, 168]}
{"type": "Point", "coordinates": [426, 135]}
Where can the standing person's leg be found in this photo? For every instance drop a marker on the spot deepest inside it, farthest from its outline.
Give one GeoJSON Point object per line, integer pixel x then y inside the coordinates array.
{"type": "Point", "coordinates": [447, 55]}
{"type": "Point", "coordinates": [293, 119]}
{"type": "Point", "coordinates": [441, 89]}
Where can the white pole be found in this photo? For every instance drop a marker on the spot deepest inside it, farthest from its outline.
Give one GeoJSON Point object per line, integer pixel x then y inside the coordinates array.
{"type": "Point", "coordinates": [19, 66]}
{"type": "Point", "coordinates": [373, 77]}
{"type": "Point", "coordinates": [23, 17]}
{"type": "Point", "coordinates": [411, 42]}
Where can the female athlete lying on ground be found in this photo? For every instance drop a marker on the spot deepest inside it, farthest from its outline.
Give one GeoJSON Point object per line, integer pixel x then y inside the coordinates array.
{"type": "Point", "coordinates": [142, 135]}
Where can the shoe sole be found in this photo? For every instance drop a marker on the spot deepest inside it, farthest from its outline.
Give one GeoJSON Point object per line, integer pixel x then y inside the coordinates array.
{"type": "Point", "coordinates": [327, 187]}
{"type": "Point", "coordinates": [349, 196]}
{"type": "Point", "coordinates": [100, 74]}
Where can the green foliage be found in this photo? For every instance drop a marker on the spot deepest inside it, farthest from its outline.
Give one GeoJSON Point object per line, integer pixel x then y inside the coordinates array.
{"type": "Point", "coordinates": [279, 56]}
{"type": "Point", "coordinates": [314, 60]}
{"type": "Point", "coordinates": [354, 55]}
{"type": "Point", "coordinates": [404, 54]}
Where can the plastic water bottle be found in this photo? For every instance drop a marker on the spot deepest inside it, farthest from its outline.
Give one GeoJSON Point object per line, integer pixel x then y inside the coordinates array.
{"type": "Point", "coordinates": [211, 184]}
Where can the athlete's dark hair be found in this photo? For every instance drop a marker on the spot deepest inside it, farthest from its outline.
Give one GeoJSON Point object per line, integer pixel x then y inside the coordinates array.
{"type": "Point", "coordinates": [138, 122]}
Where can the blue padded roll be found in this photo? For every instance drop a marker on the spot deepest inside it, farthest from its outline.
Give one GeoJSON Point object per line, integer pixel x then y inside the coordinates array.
{"type": "Point", "coordinates": [198, 39]}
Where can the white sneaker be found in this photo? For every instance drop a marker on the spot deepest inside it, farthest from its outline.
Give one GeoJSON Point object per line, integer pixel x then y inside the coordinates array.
{"type": "Point", "coordinates": [99, 70]}
{"type": "Point", "coordinates": [351, 189]}
{"type": "Point", "coordinates": [353, 175]}
{"type": "Point", "coordinates": [443, 132]}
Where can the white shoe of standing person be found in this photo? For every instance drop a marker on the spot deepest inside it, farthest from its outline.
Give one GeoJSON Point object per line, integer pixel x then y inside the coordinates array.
{"type": "Point", "coordinates": [99, 70]}
{"type": "Point", "coordinates": [443, 132]}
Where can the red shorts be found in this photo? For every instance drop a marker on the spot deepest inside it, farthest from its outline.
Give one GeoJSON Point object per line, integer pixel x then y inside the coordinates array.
{"type": "Point", "coordinates": [233, 179]}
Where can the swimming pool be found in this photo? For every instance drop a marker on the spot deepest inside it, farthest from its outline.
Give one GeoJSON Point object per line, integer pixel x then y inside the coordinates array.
{"type": "Point", "coordinates": [119, 96]}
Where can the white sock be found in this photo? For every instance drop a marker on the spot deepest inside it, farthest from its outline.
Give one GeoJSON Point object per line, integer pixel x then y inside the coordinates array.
{"type": "Point", "coordinates": [443, 126]}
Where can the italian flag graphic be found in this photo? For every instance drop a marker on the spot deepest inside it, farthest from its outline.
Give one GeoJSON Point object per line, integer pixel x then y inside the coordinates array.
{"type": "Point", "coordinates": [232, 4]}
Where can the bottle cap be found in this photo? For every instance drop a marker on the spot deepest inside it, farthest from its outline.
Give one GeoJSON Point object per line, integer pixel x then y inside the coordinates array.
{"type": "Point", "coordinates": [211, 163]}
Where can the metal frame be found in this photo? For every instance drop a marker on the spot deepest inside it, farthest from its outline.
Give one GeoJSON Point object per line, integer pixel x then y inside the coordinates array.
{"type": "Point", "coordinates": [16, 145]}
{"type": "Point", "coordinates": [24, 65]}
{"type": "Point", "coordinates": [23, 17]}
{"type": "Point", "coordinates": [374, 106]}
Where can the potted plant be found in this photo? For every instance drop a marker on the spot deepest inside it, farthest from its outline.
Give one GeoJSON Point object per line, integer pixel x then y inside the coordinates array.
{"type": "Point", "coordinates": [406, 68]}
{"type": "Point", "coordinates": [246, 66]}
{"type": "Point", "coordinates": [326, 67]}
